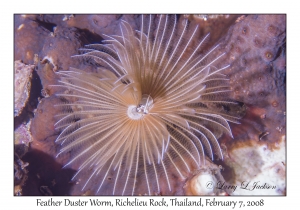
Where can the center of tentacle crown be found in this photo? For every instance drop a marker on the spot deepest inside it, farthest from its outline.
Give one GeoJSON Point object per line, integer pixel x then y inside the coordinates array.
{"type": "Point", "coordinates": [138, 112]}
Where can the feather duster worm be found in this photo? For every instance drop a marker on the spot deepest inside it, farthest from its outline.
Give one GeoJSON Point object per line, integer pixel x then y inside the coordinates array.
{"type": "Point", "coordinates": [153, 105]}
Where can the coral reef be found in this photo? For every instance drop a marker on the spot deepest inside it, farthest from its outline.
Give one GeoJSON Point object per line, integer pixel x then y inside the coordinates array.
{"type": "Point", "coordinates": [255, 49]}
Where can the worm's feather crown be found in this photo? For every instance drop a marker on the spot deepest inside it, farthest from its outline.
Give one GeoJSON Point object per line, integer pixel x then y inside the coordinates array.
{"type": "Point", "coordinates": [154, 104]}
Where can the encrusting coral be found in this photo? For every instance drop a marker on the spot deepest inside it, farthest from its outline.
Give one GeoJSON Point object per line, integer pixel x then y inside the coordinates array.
{"type": "Point", "coordinates": [152, 105]}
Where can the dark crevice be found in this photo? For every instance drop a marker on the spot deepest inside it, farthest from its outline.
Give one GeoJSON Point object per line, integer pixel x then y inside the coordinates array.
{"type": "Point", "coordinates": [88, 37]}
{"type": "Point", "coordinates": [46, 25]}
